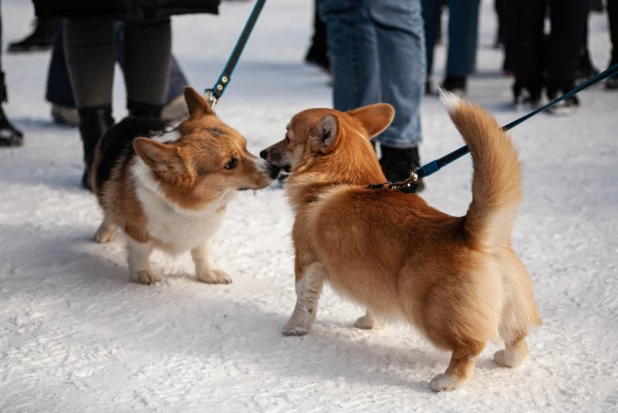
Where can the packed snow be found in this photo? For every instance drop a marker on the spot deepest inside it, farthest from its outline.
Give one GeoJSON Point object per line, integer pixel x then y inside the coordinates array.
{"type": "Point", "coordinates": [77, 336]}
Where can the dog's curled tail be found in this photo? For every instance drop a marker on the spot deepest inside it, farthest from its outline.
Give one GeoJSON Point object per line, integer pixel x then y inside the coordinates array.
{"type": "Point", "coordinates": [496, 183]}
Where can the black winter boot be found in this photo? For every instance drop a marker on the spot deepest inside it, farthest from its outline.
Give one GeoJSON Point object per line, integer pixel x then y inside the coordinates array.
{"type": "Point", "coordinates": [41, 39]}
{"type": "Point", "coordinates": [144, 110]}
{"type": "Point", "coordinates": [397, 165]}
{"type": "Point", "coordinates": [10, 136]}
{"type": "Point", "coordinates": [93, 123]}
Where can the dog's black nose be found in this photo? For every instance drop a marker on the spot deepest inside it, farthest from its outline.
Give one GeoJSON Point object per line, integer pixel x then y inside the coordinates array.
{"type": "Point", "coordinates": [264, 154]}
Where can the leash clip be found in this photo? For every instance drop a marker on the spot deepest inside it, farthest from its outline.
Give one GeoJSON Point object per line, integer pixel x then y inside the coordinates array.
{"type": "Point", "coordinates": [398, 186]}
{"type": "Point", "coordinates": [211, 98]}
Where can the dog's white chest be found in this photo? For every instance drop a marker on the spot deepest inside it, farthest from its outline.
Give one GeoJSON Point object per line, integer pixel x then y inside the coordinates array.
{"type": "Point", "coordinates": [175, 229]}
{"type": "Point", "coordinates": [177, 232]}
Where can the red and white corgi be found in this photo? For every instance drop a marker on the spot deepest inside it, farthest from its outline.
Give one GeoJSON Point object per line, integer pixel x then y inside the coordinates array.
{"type": "Point", "coordinates": [456, 279]}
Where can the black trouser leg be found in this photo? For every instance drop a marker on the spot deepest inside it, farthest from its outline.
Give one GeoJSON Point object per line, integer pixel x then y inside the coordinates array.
{"type": "Point", "coordinates": [528, 42]}
{"type": "Point", "coordinates": [612, 12]}
{"type": "Point", "coordinates": [564, 46]}
{"type": "Point", "coordinates": [147, 57]}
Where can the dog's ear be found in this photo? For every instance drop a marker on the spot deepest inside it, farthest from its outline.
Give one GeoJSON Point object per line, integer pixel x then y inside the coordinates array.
{"type": "Point", "coordinates": [374, 118]}
{"type": "Point", "coordinates": [326, 132]}
{"type": "Point", "coordinates": [163, 159]}
{"type": "Point", "coordinates": [198, 106]}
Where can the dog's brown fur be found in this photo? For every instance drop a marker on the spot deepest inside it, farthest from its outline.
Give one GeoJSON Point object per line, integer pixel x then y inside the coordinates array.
{"type": "Point", "coordinates": [456, 279]}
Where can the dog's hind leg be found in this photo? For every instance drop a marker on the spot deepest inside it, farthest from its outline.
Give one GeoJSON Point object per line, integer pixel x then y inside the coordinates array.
{"type": "Point", "coordinates": [367, 322]}
{"type": "Point", "coordinates": [519, 314]}
{"type": "Point", "coordinates": [309, 286]}
{"type": "Point", "coordinates": [514, 353]}
{"type": "Point", "coordinates": [106, 232]}
{"type": "Point", "coordinates": [460, 368]}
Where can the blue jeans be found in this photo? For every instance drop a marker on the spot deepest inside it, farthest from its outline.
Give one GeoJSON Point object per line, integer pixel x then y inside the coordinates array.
{"type": "Point", "coordinates": [377, 51]}
{"type": "Point", "coordinates": [462, 34]}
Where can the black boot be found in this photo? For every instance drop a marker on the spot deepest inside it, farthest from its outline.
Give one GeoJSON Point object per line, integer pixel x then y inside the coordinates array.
{"type": "Point", "coordinates": [93, 123]}
{"type": "Point", "coordinates": [455, 84]}
{"type": "Point", "coordinates": [41, 39]}
{"type": "Point", "coordinates": [397, 165]}
{"type": "Point", "coordinates": [144, 110]}
{"type": "Point", "coordinates": [10, 136]}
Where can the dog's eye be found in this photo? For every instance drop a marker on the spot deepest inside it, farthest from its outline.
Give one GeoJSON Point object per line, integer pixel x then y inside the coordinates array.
{"type": "Point", "coordinates": [287, 140]}
{"type": "Point", "coordinates": [233, 163]}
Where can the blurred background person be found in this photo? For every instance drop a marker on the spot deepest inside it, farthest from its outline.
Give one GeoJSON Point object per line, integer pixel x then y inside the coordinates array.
{"type": "Point", "coordinates": [60, 93]}
{"type": "Point", "coordinates": [10, 136]}
{"type": "Point", "coordinates": [90, 52]}
{"type": "Point", "coordinates": [612, 12]}
{"type": "Point", "coordinates": [551, 63]}
{"type": "Point", "coordinates": [317, 54]}
{"type": "Point", "coordinates": [41, 38]}
{"type": "Point", "coordinates": [462, 40]}
{"type": "Point", "coordinates": [377, 53]}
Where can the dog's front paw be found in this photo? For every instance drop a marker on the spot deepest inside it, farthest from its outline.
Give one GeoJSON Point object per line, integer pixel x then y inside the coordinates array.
{"type": "Point", "coordinates": [444, 382]}
{"type": "Point", "coordinates": [507, 359]}
{"type": "Point", "coordinates": [214, 277]}
{"type": "Point", "coordinates": [145, 277]}
{"type": "Point", "coordinates": [367, 322]}
{"type": "Point", "coordinates": [105, 234]}
{"type": "Point", "coordinates": [297, 326]}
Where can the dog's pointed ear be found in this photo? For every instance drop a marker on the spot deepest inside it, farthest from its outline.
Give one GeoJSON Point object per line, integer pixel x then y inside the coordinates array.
{"type": "Point", "coordinates": [197, 105]}
{"type": "Point", "coordinates": [163, 159]}
{"type": "Point", "coordinates": [326, 133]}
{"type": "Point", "coordinates": [374, 118]}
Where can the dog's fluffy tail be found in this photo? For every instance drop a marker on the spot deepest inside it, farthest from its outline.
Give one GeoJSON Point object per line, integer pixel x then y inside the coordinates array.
{"type": "Point", "coordinates": [496, 184]}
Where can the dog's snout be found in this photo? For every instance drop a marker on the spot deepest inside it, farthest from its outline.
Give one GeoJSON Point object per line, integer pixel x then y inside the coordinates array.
{"type": "Point", "coordinates": [264, 154]}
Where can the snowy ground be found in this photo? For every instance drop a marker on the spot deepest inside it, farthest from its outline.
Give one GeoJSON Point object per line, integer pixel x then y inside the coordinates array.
{"type": "Point", "coordinates": [76, 336]}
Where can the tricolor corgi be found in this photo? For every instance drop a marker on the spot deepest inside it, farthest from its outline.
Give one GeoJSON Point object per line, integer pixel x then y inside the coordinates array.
{"type": "Point", "coordinates": [170, 189]}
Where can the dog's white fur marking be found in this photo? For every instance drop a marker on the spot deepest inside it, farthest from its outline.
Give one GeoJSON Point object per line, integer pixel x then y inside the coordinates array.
{"type": "Point", "coordinates": [205, 268]}
{"type": "Point", "coordinates": [139, 262]}
{"type": "Point", "coordinates": [308, 291]}
{"type": "Point", "coordinates": [168, 135]}
{"type": "Point", "coordinates": [450, 100]}
{"type": "Point", "coordinates": [176, 228]}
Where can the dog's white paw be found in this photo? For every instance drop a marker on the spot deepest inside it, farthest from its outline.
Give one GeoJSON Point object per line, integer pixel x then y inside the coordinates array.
{"type": "Point", "coordinates": [367, 322]}
{"type": "Point", "coordinates": [444, 382]}
{"type": "Point", "coordinates": [214, 277]}
{"type": "Point", "coordinates": [294, 330]}
{"type": "Point", "coordinates": [506, 359]}
{"type": "Point", "coordinates": [105, 234]}
{"type": "Point", "coordinates": [145, 277]}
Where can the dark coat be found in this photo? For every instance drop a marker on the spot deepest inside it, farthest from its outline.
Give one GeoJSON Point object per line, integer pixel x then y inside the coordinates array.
{"type": "Point", "coordinates": [128, 10]}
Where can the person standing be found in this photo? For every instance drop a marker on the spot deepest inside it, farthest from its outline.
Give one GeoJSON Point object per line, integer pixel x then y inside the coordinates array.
{"type": "Point", "coordinates": [90, 52]}
{"type": "Point", "coordinates": [550, 63]}
{"type": "Point", "coordinates": [612, 12]}
{"type": "Point", "coordinates": [10, 136]}
{"type": "Point", "coordinates": [462, 40]}
{"type": "Point", "coordinates": [377, 54]}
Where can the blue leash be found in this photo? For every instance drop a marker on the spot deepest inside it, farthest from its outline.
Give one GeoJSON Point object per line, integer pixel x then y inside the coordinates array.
{"type": "Point", "coordinates": [226, 75]}
{"type": "Point", "coordinates": [435, 166]}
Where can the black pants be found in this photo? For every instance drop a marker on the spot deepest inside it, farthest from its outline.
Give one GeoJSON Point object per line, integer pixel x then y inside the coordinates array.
{"type": "Point", "coordinates": [554, 60]}
{"type": "Point", "coordinates": [91, 56]}
{"type": "Point", "coordinates": [612, 11]}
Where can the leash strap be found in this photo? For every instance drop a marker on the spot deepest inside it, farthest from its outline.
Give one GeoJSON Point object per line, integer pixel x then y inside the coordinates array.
{"type": "Point", "coordinates": [219, 87]}
{"type": "Point", "coordinates": [435, 166]}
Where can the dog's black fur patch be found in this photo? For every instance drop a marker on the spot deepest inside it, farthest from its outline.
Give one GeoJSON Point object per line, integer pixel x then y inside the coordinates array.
{"type": "Point", "coordinates": [117, 144]}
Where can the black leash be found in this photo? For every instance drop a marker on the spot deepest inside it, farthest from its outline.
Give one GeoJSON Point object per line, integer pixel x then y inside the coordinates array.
{"type": "Point", "coordinates": [219, 87]}
{"type": "Point", "coordinates": [426, 170]}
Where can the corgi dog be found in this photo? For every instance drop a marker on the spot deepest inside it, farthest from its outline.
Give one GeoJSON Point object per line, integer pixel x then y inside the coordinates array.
{"type": "Point", "coordinates": [456, 279]}
{"type": "Point", "coordinates": [169, 190]}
